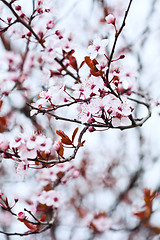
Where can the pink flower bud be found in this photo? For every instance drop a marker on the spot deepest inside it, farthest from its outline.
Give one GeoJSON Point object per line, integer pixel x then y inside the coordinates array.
{"type": "Point", "coordinates": [39, 10]}
{"type": "Point", "coordinates": [18, 8]}
{"type": "Point", "coordinates": [16, 200]}
{"type": "Point", "coordinates": [29, 34]}
{"type": "Point", "coordinates": [21, 215]}
{"type": "Point", "coordinates": [47, 10]}
{"type": "Point", "coordinates": [9, 19]}
{"type": "Point", "coordinates": [91, 129]}
{"type": "Point", "coordinates": [91, 120]}
{"type": "Point", "coordinates": [75, 173]}
{"type": "Point", "coordinates": [39, 2]}
{"type": "Point", "coordinates": [129, 92]}
{"type": "Point", "coordinates": [110, 19]}
{"type": "Point", "coordinates": [22, 15]}
{"type": "Point", "coordinates": [122, 56]}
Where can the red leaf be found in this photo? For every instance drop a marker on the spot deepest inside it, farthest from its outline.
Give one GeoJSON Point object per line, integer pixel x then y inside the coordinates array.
{"type": "Point", "coordinates": [97, 74]}
{"type": "Point", "coordinates": [54, 73]}
{"type": "Point", "coordinates": [61, 134]}
{"type": "Point", "coordinates": [66, 141]}
{"type": "Point", "coordinates": [90, 64]}
{"type": "Point", "coordinates": [43, 218]}
{"type": "Point", "coordinates": [1, 102]}
{"type": "Point", "coordinates": [82, 63]}
{"type": "Point", "coordinates": [73, 62]}
{"type": "Point", "coordinates": [68, 54]}
{"type": "Point", "coordinates": [29, 225]}
{"type": "Point", "coordinates": [74, 134]}
{"type": "Point", "coordinates": [3, 124]}
{"type": "Point", "coordinates": [61, 151]}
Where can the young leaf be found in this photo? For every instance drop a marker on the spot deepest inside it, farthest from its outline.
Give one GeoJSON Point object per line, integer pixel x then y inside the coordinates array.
{"type": "Point", "coordinates": [74, 134]}
{"type": "Point", "coordinates": [73, 62]}
{"type": "Point", "coordinates": [66, 140]}
{"type": "Point", "coordinates": [61, 151]}
{"type": "Point", "coordinates": [90, 64]}
{"type": "Point", "coordinates": [61, 134]}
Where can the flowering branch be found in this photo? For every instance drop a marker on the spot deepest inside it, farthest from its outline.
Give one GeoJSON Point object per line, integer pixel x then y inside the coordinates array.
{"type": "Point", "coordinates": [9, 5]}
{"type": "Point", "coordinates": [135, 122]}
{"type": "Point", "coordinates": [117, 34]}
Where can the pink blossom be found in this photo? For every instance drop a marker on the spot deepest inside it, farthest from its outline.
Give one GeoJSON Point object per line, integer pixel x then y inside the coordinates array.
{"type": "Point", "coordinates": [21, 215]}
{"type": "Point", "coordinates": [50, 24]}
{"type": "Point", "coordinates": [46, 175]}
{"type": "Point", "coordinates": [25, 152]}
{"type": "Point", "coordinates": [4, 144]}
{"type": "Point", "coordinates": [22, 167]}
{"type": "Point", "coordinates": [43, 143]}
{"type": "Point", "coordinates": [98, 47]}
{"type": "Point", "coordinates": [76, 173]}
{"type": "Point", "coordinates": [50, 198]}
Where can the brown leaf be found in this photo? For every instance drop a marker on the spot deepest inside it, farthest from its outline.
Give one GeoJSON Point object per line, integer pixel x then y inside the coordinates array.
{"type": "Point", "coordinates": [90, 64]}
{"type": "Point", "coordinates": [66, 141]}
{"type": "Point", "coordinates": [74, 134]}
{"type": "Point", "coordinates": [82, 63]}
{"type": "Point", "coordinates": [97, 74]}
{"type": "Point", "coordinates": [54, 73]}
{"type": "Point", "coordinates": [61, 151]}
{"type": "Point", "coordinates": [61, 134]}
{"type": "Point", "coordinates": [73, 62]}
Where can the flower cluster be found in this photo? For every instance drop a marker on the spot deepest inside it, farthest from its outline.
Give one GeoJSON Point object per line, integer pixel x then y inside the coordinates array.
{"type": "Point", "coordinates": [52, 97]}
{"type": "Point", "coordinates": [61, 172]}
{"type": "Point", "coordinates": [50, 198]}
{"type": "Point", "coordinates": [100, 104]}
{"type": "Point", "coordinates": [31, 147]}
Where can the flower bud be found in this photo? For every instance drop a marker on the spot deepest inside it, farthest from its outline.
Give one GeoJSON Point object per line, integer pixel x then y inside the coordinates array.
{"type": "Point", "coordinates": [91, 129]}
{"type": "Point", "coordinates": [110, 19]}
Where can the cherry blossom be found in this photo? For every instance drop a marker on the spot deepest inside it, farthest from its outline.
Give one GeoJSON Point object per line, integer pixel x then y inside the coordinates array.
{"type": "Point", "coordinates": [28, 147]}
{"type": "Point", "coordinates": [50, 198]}
{"type": "Point", "coordinates": [22, 167]}
{"type": "Point", "coordinates": [98, 47]}
{"type": "Point", "coordinates": [46, 72]}
{"type": "Point", "coordinates": [50, 24]}
{"type": "Point", "coordinates": [4, 144]}
{"type": "Point", "coordinates": [101, 223]}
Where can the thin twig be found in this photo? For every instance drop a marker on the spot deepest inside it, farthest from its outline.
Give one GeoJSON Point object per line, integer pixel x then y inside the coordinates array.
{"type": "Point", "coordinates": [23, 22]}
{"type": "Point", "coordinates": [117, 34]}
